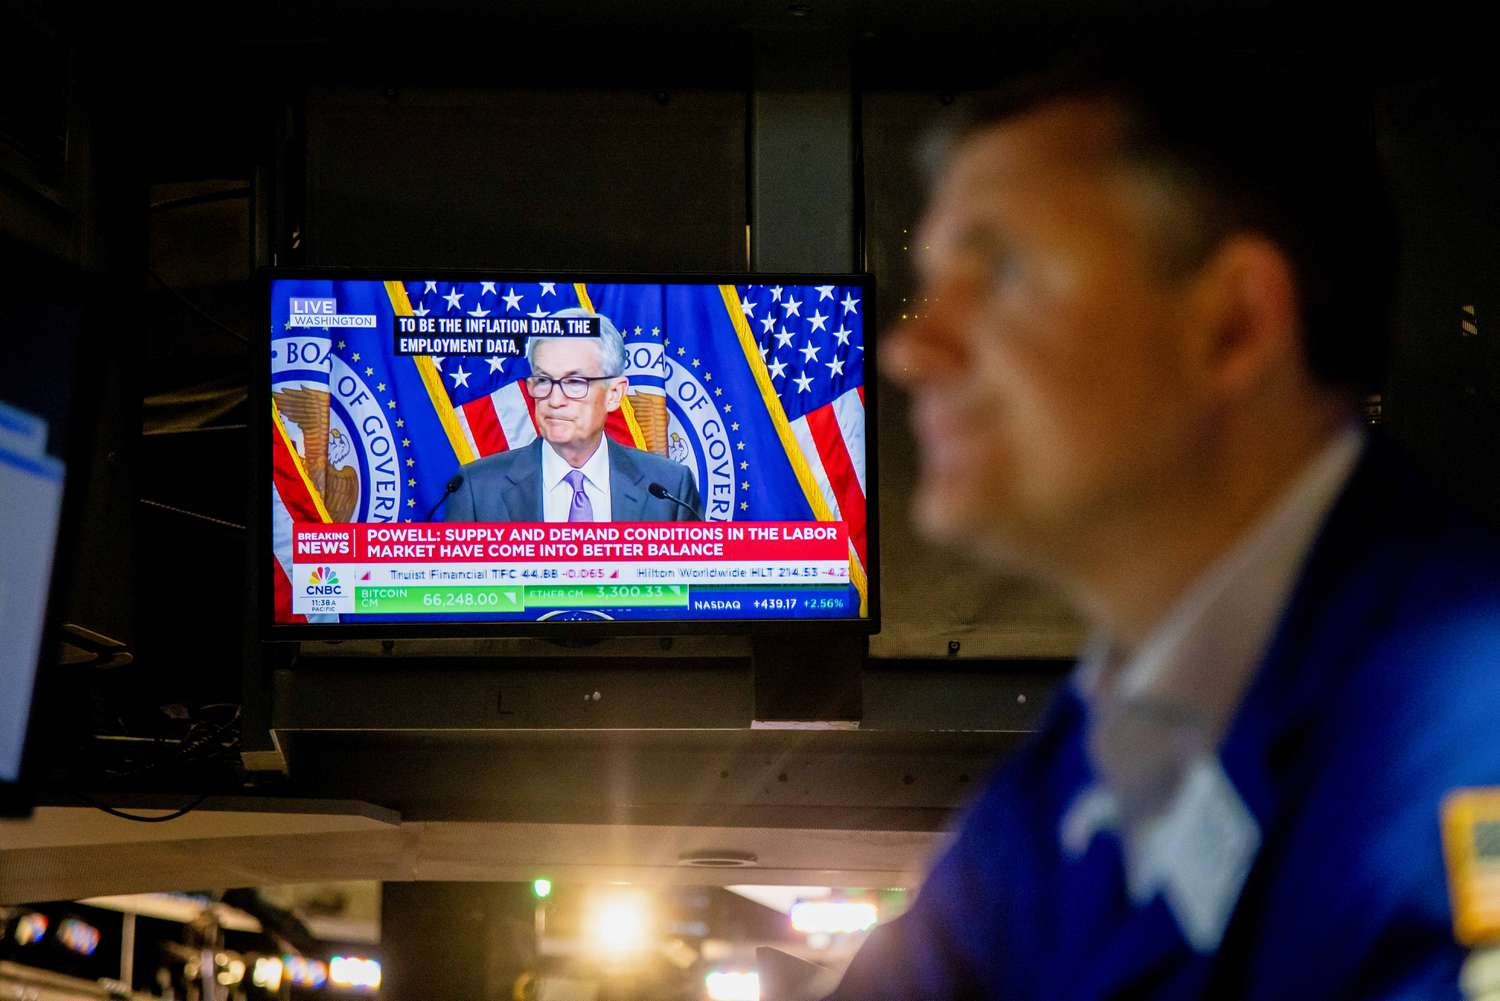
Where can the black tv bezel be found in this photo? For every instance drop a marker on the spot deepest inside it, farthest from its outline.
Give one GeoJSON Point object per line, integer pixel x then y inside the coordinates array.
{"type": "Point", "coordinates": [258, 539]}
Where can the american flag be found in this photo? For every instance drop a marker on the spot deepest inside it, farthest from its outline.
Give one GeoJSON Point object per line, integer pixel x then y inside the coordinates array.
{"type": "Point", "coordinates": [811, 339]}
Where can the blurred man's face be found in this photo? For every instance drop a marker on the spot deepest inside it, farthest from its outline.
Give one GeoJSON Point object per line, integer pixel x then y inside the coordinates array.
{"type": "Point", "coordinates": [1044, 360]}
{"type": "Point", "coordinates": [573, 425]}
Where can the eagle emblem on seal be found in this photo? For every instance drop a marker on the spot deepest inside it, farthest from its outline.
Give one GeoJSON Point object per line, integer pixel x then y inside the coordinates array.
{"type": "Point", "coordinates": [327, 453]}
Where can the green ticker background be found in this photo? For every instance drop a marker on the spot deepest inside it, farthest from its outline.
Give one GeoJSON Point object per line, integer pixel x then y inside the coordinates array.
{"type": "Point", "coordinates": [516, 597]}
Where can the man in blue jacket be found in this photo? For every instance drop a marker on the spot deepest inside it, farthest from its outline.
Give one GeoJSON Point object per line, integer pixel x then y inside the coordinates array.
{"type": "Point", "coordinates": [1153, 297]}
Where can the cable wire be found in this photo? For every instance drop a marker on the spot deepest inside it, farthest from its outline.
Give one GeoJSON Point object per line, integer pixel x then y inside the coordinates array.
{"type": "Point", "coordinates": [184, 811]}
{"type": "Point", "coordinates": [191, 514]}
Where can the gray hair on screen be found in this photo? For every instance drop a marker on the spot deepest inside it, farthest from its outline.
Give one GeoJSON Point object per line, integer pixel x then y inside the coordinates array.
{"type": "Point", "coordinates": [611, 343]}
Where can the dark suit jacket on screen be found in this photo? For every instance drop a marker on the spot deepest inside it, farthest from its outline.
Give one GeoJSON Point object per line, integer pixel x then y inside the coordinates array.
{"type": "Point", "coordinates": [1380, 692]}
{"type": "Point", "coordinates": [507, 486]}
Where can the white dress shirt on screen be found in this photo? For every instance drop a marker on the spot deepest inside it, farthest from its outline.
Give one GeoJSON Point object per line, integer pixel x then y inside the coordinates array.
{"type": "Point", "coordinates": [557, 494]}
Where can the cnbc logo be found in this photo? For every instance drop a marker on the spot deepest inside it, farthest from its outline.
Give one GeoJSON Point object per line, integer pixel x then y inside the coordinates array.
{"type": "Point", "coordinates": [323, 580]}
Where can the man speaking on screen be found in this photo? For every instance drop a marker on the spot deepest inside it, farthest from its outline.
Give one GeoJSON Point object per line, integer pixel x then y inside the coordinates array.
{"type": "Point", "coordinates": [572, 472]}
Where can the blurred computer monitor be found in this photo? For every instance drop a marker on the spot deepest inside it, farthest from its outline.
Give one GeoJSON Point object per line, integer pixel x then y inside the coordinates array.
{"type": "Point", "coordinates": [43, 303]}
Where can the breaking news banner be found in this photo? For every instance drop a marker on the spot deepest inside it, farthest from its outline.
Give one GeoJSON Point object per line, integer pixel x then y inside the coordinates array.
{"type": "Point", "coordinates": [382, 391]}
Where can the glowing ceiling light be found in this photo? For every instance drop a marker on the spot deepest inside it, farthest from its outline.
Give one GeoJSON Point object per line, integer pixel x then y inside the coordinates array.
{"type": "Point", "coordinates": [618, 923]}
{"type": "Point", "coordinates": [354, 971]}
{"type": "Point", "coordinates": [31, 928]}
{"type": "Point", "coordinates": [305, 972]}
{"type": "Point", "coordinates": [833, 917]}
{"type": "Point", "coordinates": [80, 936]}
{"type": "Point", "coordinates": [733, 985]}
{"type": "Point", "coordinates": [267, 973]}
{"type": "Point", "coordinates": [232, 969]}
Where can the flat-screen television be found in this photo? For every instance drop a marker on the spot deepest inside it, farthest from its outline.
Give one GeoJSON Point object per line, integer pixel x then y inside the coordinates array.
{"type": "Point", "coordinates": [474, 453]}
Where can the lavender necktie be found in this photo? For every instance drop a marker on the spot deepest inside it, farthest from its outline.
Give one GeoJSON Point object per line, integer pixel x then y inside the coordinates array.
{"type": "Point", "coordinates": [581, 509]}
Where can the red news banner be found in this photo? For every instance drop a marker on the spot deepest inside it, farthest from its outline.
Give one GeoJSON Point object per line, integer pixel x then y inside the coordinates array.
{"type": "Point", "coordinates": [764, 542]}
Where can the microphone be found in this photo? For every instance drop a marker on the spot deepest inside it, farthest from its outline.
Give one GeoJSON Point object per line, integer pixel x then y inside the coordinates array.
{"type": "Point", "coordinates": [662, 493]}
{"type": "Point", "coordinates": [453, 484]}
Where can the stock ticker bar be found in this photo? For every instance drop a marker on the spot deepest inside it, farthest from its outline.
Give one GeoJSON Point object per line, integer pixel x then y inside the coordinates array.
{"type": "Point", "coordinates": [514, 570]}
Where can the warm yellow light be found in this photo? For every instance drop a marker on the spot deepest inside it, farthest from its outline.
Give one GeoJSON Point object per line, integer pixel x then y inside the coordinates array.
{"type": "Point", "coordinates": [833, 917]}
{"type": "Point", "coordinates": [618, 922]}
{"type": "Point", "coordinates": [267, 973]}
{"type": "Point", "coordinates": [733, 985]}
{"type": "Point", "coordinates": [354, 971]}
{"type": "Point", "coordinates": [233, 970]}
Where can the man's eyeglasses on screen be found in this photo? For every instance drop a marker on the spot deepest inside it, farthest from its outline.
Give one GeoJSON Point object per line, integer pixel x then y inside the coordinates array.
{"type": "Point", "coordinates": [574, 387]}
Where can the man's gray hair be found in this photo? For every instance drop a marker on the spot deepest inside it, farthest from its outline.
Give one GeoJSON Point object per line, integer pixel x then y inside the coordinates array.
{"type": "Point", "coordinates": [611, 344]}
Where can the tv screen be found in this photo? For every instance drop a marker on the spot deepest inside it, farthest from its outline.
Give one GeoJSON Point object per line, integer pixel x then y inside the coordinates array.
{"type": "Point", "coordinates": [471, 453]}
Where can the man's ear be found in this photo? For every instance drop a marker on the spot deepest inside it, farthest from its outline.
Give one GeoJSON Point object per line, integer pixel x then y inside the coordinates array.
{"type": "Point", "coordinates": [1245, 321]}
{"type": "Point", "coordinates": [616, 393]}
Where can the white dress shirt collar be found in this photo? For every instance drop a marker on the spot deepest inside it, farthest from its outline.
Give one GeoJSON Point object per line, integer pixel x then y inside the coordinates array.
{"type": "Point", "coordinates": [557, 494]}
